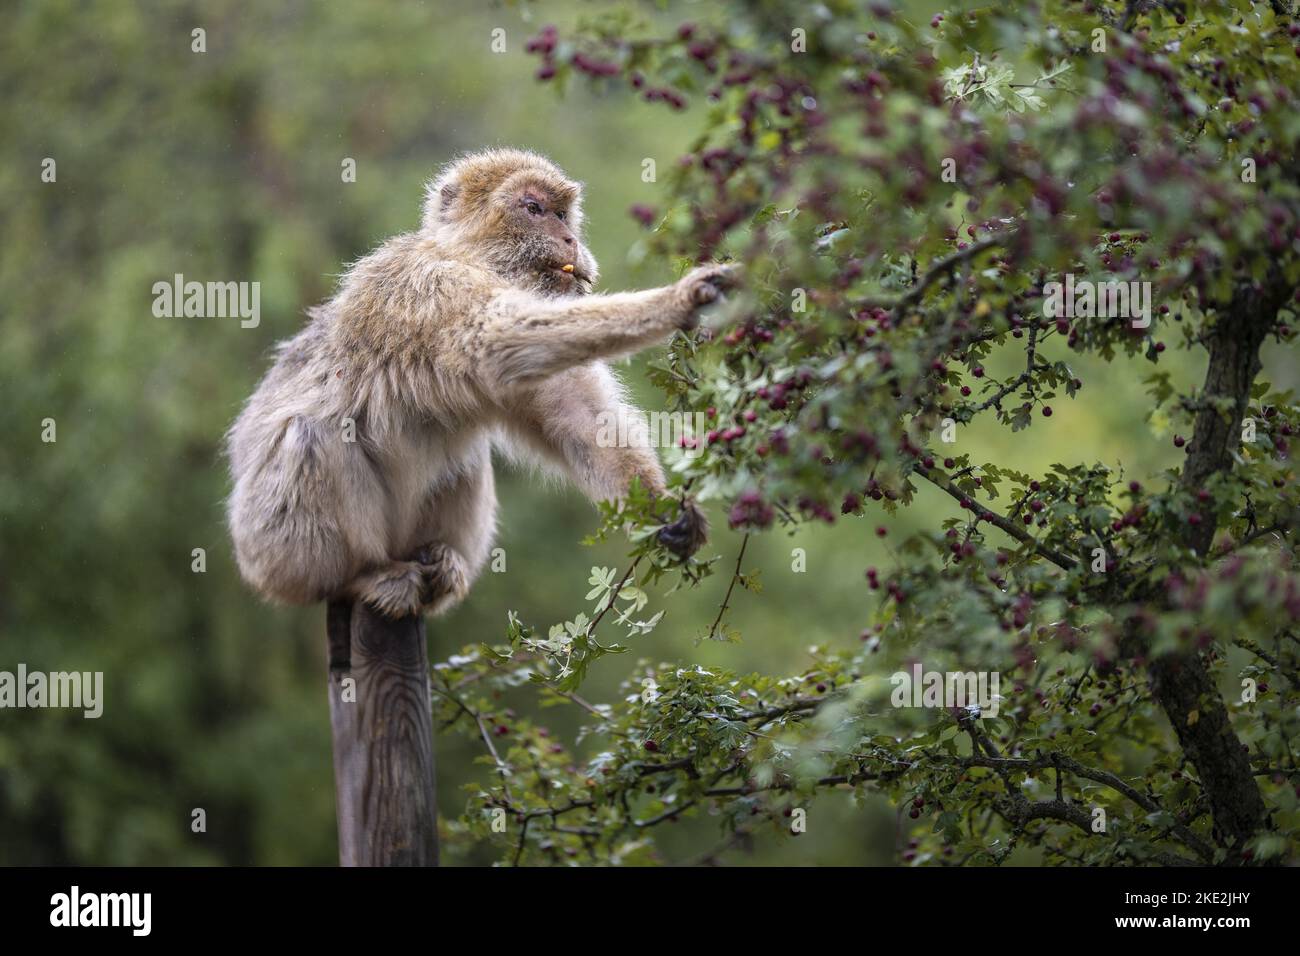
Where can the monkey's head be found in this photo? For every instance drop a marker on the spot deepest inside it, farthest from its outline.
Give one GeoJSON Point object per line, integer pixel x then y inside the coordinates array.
{"type": "Point", "coordinates": [518, 213]}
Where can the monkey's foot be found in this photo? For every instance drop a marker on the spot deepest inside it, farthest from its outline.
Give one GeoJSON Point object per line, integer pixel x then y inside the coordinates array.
{"type": "Point", "coordinates": [446, 577]}
{"type": "Point", "coordinates": [397, 590]}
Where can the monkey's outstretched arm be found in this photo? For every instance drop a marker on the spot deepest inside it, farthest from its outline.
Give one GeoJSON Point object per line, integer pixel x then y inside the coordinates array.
{"type": "Point", "coordinates": [579, 419]}
{"type": "Point", "coordinates": [526, 338]}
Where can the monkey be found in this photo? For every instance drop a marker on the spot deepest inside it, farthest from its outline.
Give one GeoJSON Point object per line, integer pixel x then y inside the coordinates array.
{"type": "Point", "coordinates": [361, 465]}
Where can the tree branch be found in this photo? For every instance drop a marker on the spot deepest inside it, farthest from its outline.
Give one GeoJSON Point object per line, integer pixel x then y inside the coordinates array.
{"type": "Point", "coordinates": [1062, 561]}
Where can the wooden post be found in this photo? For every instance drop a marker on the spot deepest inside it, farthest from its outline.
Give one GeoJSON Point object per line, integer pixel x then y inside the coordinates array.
{"type": "Point", "coordinates": [383, 738]}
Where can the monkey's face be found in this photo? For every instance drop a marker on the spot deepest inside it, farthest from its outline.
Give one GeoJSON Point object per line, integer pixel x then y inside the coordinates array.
{"type": "Point", "coordinates": [544, 252]}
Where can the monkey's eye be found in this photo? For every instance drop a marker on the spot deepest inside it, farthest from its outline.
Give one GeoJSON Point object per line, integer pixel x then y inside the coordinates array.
{"type": "Point", "coordinates": [534, 207]}
{"type": "Point", "coordinates": [561, 215]}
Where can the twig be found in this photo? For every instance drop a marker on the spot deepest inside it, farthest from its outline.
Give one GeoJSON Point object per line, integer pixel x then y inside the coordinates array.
{"type": "Point", "coordinates": [503, 768]}
{"type": "Point", "coordinates": [735, 576]}
{"type": "Point", "coordinates": [1062, 561]}
{"type": "Point", "coordinates": [613, 596]}
{"type": "Point", "coordinates": [780, 710]}
{"type": "Point", "coordinates": [936, 271]}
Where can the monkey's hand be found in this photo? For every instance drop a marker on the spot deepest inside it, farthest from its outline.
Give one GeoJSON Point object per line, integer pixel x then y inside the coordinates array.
{"type": "Point", "coordinates": [688, 533]}
{"type": "Point", "coordinates": [703, 286]}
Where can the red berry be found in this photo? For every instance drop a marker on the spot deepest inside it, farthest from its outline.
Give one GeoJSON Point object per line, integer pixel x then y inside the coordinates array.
{"type": "Point", "coordinates": [643, 214]}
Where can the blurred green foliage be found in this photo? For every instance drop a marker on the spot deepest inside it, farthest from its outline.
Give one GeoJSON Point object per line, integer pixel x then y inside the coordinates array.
{"type": "Point", "coordinates": [225, 165]}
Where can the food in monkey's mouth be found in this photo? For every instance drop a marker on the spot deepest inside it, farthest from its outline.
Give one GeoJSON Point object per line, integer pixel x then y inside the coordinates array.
{"type": "Point", "coordinates": [568, 270]}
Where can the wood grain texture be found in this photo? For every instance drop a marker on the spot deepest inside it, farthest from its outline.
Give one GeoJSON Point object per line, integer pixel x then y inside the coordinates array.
{"type": "Point", "coordinates": [383, 738]}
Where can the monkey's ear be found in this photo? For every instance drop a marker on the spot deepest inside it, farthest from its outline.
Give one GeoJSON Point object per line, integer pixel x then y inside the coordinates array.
{"type": "Point", "coordinates": [446, 196]}
{"type": "Point", "coordinates": [439, 196]}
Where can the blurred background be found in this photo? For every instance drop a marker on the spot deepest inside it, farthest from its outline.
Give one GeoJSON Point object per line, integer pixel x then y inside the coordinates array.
{"type": "Point", "coordinates": [226, 166]}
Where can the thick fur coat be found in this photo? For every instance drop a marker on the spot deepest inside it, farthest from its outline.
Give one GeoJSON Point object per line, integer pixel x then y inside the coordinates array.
{"type": "Point", "coordinates": [362, 466]}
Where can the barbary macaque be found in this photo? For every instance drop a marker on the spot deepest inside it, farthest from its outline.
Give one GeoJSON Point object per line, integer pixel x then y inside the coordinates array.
{"type": "Point", "coordinates": [362, 463]}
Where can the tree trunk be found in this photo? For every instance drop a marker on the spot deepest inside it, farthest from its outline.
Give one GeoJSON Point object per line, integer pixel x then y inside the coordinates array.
{"type": "Point", "coordinates": [1181, 682]}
